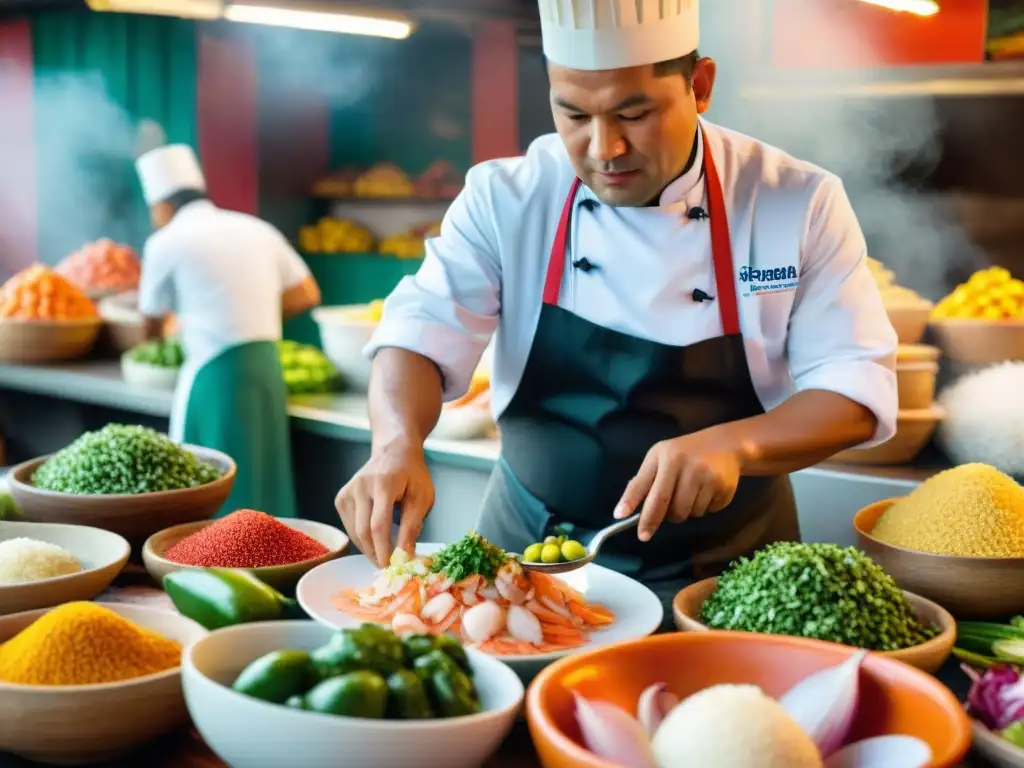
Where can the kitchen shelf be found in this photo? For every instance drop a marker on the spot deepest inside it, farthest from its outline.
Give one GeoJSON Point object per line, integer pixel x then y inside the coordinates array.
{"type": "Point", "coordinates": [984, 79]}
{"type": "Point", "coordinates": [386, 200]}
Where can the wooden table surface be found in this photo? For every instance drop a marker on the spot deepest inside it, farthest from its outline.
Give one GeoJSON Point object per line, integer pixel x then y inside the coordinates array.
{"type": "Point", "coordinates": [186, 749]}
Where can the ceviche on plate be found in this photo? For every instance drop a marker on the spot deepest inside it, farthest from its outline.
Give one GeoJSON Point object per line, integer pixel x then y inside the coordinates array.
{"type": "Point", "coordinates": [481, 594]}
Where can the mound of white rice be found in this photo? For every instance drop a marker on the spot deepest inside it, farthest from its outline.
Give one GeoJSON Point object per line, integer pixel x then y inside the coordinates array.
{"type": "Point", "coordinates": [23, 560]}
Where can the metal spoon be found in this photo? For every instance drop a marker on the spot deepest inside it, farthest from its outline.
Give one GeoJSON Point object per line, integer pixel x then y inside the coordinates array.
{"type": "Point", "coordinates": [592, 549]}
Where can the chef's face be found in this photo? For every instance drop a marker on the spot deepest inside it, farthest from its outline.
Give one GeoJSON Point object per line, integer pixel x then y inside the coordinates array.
{"type": "Point", "coordinates": [630, 132]}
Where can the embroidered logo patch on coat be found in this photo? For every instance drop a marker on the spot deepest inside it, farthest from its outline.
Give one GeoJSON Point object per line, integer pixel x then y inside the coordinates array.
{"type": "Point", "coordinates": [773, 280]}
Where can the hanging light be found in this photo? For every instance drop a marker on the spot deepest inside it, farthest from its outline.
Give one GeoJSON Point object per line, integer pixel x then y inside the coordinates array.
{"type": "Point", "coordinates": [916, 7]}
{"type": "Point", "coordinates": [392, 26]}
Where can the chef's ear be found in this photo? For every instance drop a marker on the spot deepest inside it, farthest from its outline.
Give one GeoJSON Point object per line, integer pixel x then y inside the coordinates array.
{"type": "Point", "coordinates": [704, 82]}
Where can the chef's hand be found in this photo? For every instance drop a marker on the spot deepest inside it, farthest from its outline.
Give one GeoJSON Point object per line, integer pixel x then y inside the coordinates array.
{"type": "Point", "coordinates": [397, 474]}
{"type": "Point", "coordinates": [682, 478]}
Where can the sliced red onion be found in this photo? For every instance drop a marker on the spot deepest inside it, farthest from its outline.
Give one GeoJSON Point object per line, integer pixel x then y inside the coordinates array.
{"type": "Point", "coordinates": [655, 702]}
{"type": "Point", "coordinates": [613, 734]}
{"type": "Point", "coordinates": [824, 703]}
{"type": "Point", "coordinates": [882, 752]}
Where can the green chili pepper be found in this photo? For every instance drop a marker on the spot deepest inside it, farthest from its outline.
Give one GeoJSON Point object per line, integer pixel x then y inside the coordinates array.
{"type": "Point", "coordinates": [223, 597]}
{"type": "Point", "coordinates": [277, 676]}
{"type": "Point", "coordinates": [359, 649]}
{"type": "Point", "coordinates": [418, 645]}
{"type": "Point", "coordinates": [450, 695]}
{"type": "Point", "coordinates": [357, 694]}
{"type": "Point", "coordinates": [453, 648]}
{"type": "Point", "coordinates": [439, 663]}
{"type": "Point", "coordinates": [407, 698]}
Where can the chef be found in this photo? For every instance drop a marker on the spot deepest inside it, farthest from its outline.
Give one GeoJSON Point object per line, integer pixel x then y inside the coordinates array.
{"type": "Point", "coordinates": [229, 278]}
{"type": "Point", "coordinates": [682, 315]}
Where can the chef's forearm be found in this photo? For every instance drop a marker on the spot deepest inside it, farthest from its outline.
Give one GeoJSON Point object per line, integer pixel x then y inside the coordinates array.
{"type": "Point", "coordinates": [405, 398]}
{"type": "Point", "coordinates": [810, 427]}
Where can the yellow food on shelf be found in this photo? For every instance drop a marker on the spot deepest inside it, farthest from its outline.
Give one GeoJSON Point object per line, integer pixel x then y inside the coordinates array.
{"type": "Point", "coordinates": [406, 245]}
{"type": "Point", "coordinates": [371, 313]}
{"type": "Point", "coordinates": [331, 235]}
{"type": "Point", "coordinates": [384, 180]}
{"type": "Point", "coordinates": [989, 294]}
{"type": "Point", "coordinates": [893, 295]}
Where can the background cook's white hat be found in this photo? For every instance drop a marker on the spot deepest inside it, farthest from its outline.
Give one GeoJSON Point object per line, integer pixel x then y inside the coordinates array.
{"type": "Point", "coordinates": [168, 170]}
{"type": "Point", "coordinates": [615, 34]}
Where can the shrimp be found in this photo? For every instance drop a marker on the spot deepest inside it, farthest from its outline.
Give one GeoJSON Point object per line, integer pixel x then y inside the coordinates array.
{"type": "Point", "coordinates": [483, 621]}
{"type": "Point", "coordinates": [523, 625]}
{"type": "Point", "coordinates": [408, 624]}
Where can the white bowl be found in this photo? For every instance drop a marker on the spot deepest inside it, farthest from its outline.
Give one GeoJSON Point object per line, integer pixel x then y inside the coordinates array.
{"type": "Point", "coordinates": [101, 553]}
{"type": "Point", "coordinates": [248, 733]}
{"type": "Point", "coordinates": [343, 335]}
{"type": "Point", "coordinates": [144, 375]}
{"type": "Point", "coordinates": [77, 724]}
{"type": "Point", "coordinates": [995, 748]}
{"type": "Point", "coordinates": [638, 611]}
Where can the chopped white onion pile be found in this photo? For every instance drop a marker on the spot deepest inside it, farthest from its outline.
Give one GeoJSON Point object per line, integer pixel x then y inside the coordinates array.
{"type": "Point", "coordinates": [823, 704]}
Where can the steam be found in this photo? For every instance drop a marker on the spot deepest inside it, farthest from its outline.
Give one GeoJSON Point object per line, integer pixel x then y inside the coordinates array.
{"type": "Point", "coordinates": [873, 143]}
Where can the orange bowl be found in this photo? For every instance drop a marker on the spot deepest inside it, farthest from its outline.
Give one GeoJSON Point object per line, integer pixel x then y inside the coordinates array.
{"type": "Point", "coordinates": [894, 698]}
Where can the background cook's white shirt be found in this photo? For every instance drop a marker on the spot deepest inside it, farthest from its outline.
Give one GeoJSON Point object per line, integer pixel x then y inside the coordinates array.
{"type": "Point", "coordinates": [485, 274]}
{"type": "Point", "coordinates": [222, 273]}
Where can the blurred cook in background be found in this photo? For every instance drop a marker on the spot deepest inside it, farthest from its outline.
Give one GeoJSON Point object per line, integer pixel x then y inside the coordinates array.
{"type": "Point", "coordinates": [230, 279]}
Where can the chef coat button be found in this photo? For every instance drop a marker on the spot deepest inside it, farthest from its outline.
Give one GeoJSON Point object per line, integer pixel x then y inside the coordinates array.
{"type": "Point", "coordinates": [589, 204]}
{"type": "Point", "coordinates": [697, 213]}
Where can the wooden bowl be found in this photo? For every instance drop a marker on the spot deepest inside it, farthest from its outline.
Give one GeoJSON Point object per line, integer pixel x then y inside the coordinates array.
{"type": "Point", "coordinates": [134, 516]}
{"type": "Point", "coordinates": [916, 385]}
{"type": "Point", "coordinates": [75, 724]}
{"type": "Point", "coordinates": [42, 341]}
{"type": "Point", "coordinates": [894, 698]}
{"type": "Point", "coordinates": [917, 353]}
{"type": "Point", "coordinates": [913, 431]}
{"type": "Point", "coordinates": [980, 342]}
{"type": "Point", "coordinates": [281, 577]}
{"type": "Point", "coordinates": [101, 553]}
{"type": "Point", "coordinates": [909, 320]}
{"type": "Point", "coordinates": [927, 656]}
{"type": "Point", "coordinates": [968, 587]}
{"type": "Point", "coordinates": [120, 337]}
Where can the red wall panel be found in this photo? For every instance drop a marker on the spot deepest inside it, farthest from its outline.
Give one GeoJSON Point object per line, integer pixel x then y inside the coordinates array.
{"type": "Point", "coordinates": [228, 125]}
{"type": "Point", "coordinates": [18, 206]}
{"type": "Point", "coordinates": [852, 34]}
{"type": "Point", "coordinates": [495, 92]}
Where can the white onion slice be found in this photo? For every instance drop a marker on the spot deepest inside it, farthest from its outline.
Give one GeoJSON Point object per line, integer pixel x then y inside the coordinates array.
{"type": "Point", "coordinates": [823, 704]}
{"type": "Point", "coordinates": [655, 703]}
{"type": "Point", "coordinates": [883, 752]}
{"type": "Point", "coordinates": [613, 734]}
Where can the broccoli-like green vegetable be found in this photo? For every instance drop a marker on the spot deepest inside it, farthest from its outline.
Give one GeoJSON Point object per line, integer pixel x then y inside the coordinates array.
{"type": "Point", "coordinates": [821, 591]}
{"type": "Point", "coordinates": [121, 459]}
{"type": "Point", "coordinates": [166, 353]}
{"type": "Point", "coordinates": [470, 555]}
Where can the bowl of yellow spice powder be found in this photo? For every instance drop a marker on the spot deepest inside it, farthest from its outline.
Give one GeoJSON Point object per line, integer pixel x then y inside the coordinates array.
{"type": "Point", "coordinates": [956, 539]}
{"type": "Point", "coordinates": [86, 682]}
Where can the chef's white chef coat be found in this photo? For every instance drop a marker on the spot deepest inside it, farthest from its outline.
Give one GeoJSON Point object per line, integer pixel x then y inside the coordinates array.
{"type": "Point", "coordinates": [222, 273]}
{"type": "Point", "coordinates": [810, 312]}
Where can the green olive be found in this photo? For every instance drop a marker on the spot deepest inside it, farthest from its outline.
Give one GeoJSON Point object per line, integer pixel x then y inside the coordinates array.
{"type": "Point", "coordinates": [550, 554]}
{"type": "Point", "coordinates": [532, 554]}
{"type": "Point", "coordinates": [573, 550]}
{"type": "Point", "coordinates": [551, 540]}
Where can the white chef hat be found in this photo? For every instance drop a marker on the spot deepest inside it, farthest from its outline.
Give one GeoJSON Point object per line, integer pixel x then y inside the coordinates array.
{"type": "Point", "coordinates": [168, 170]}
{"type": "Point", "coordinates": [615, 34]}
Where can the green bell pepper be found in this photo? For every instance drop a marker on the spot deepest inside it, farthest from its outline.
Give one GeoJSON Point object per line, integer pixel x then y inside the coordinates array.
{"type": "Point", "coordinates": [366, 648]}
{"type": "Point", "coordinates": [450, 695]}
{"type": "Point", "coordinates": [440, 663]}
{"type": "Point", "coordinates": [407, 698]}
{"type": "Point", "coordinates": [357, 694]}
{"type": "Point", "coordinates": [277, 676]}
{"type": "Point", "coordinates": [223, 597]}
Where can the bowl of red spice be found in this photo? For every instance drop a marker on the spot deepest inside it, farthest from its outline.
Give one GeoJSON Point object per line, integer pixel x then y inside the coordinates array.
{"type": "Point", "coordinates": [278, 551]}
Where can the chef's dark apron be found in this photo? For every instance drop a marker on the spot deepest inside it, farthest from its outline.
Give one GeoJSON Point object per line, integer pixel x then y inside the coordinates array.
{"type": "Point", "coordinates": [592, 402]}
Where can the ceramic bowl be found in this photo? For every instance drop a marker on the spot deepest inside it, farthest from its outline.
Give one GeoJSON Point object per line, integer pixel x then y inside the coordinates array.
{"type": "Point", "coordinates": [995, 749]}
{"type": "Point", "coordinates": [101, 553]}
{"type": "Point", "coordinates": [145, 375]}
{"type": "Point", "coordinates": [980, 342]}
{"type": "Point", "coordinates": [134, 516]}
{"type": "Point", "coordinates": [344, 334]}
{"type": "Point", "coordinates": [248, 732]}
{"type": "Point", "coordinates": [281, 577]}
{"type": "Point", "coordinates": [914, 428]}
{"type": "Point", "coordinates": [927, 656]}
{"type": "Point", "coordinates": [894, 698]}
{"type": "Point", "coordinates": [77, 724]}
{"type": "Point", "coordinates": [968, 587]}
{"type": "Point", "coordinates": [43, 341]}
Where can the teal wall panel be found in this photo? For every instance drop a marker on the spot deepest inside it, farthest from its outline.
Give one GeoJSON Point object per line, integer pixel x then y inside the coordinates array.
{"type": "Point", "coordinates": [97, 76]}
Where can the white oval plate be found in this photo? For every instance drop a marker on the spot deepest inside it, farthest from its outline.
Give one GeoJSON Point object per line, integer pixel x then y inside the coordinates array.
{"type": "Point", "coordinates": [638, 611]}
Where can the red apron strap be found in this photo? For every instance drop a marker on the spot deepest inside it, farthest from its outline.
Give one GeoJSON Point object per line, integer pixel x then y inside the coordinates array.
{"type": "Point", "coordinates": [721, 246]}
{"type": "Point", "coordinates": [556, 263]}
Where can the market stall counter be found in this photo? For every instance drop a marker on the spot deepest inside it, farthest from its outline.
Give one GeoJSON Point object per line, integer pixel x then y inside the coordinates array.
{"type": "Point", "coordinates": [44, 408]}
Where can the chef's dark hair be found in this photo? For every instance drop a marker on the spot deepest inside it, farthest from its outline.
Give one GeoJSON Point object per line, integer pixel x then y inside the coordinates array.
{"type": "Point", "coordinates": [684, 66]}
{"type": "Point", "coordinates": [182, 198]}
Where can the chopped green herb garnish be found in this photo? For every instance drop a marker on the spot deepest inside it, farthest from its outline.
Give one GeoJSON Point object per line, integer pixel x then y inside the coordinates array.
{"type": "Point", "coordinates": [469, 556]}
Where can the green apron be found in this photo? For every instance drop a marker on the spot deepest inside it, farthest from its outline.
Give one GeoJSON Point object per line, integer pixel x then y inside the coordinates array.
{"type": "Point", "coordinates": [238, 404]}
